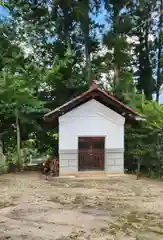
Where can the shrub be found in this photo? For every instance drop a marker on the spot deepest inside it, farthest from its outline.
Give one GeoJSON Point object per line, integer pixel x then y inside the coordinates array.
{"type": "Point", "coordinates": [3, 168]}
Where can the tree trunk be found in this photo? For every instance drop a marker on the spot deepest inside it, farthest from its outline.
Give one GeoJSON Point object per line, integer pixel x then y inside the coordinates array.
{"type": "Point", "coordinates": [138, 168]}
{"type": "Point", "coordinates": [18, 140]}
{"type": "Point", "coordinates": [116, 50]}
{"type": "Point", "coordinates": [149, 172]}
{"type": "Point", "coordinates": [160, 171]}
{"type": "Point", "coordinates": [87, 52]}
{"type": "Point", "coordinates": [85, 26]}
{"type": "Point", "coordinates": [158, 81]}
{"type": "Point", "coordinates": [116, 74]}
{"type": "Point", "coordinates": [88, 61]}
{"type": "Point", "coordinates": [148, 87]}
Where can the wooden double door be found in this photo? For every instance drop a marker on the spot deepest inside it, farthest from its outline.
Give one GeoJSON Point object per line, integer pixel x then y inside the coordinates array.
{"type": "Point", "coordinates": [91, 153]}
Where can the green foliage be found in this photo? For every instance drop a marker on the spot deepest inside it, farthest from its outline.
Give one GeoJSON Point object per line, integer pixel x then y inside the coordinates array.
{"type": "Point", "coordinates": [154, 112]}
{"type": "Point", "coordinates": [3, 164]}
{"type": "Point", "coordinates": [144, 141]}
{"type": "Point", "coordinates": [3, 168]}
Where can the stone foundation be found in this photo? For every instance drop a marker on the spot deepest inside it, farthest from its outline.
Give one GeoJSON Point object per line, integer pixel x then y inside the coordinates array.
{"type": "Point", "coordinates": [114, 160]}
{"type": "Point", "coordinates": [68, 161]}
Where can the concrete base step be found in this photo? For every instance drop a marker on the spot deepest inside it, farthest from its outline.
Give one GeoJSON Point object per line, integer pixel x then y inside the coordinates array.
{"type": "Point", "coordinates": [91, 174]}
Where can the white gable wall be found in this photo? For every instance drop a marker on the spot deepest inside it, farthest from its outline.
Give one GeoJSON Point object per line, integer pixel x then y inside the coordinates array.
{"type": "Point", "coordinates": [89, 119]}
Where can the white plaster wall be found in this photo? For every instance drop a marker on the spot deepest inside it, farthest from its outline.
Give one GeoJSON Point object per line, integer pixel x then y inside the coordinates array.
{"type": "Point", "coordinates": [91, 119]}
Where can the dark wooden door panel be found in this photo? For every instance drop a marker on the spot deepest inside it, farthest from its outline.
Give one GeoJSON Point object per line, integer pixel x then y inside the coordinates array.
{"type": "Point", "coordinates": [91, 153]}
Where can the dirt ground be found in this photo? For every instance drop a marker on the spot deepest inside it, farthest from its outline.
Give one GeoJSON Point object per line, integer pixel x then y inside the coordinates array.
{"type": "Point", "coordinates": [120, 208]}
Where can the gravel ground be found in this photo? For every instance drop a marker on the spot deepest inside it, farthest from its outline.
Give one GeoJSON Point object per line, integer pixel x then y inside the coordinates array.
{"type": "Point", "coordinates": [119, 208]}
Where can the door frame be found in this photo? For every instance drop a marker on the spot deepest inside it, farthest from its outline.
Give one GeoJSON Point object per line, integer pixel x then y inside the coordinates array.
{"type": "Point", "coordinates": [92, 136]}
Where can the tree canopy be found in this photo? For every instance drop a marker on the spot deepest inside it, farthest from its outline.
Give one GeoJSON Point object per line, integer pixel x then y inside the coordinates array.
{"type": "Point", "coordinates": [52, 50]}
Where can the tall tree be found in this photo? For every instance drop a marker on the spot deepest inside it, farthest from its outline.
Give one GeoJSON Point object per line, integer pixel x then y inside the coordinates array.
{"type": "Point", "coordinates": [119, 50]}
{"type": "Point", "coordinates": [143, 31]}
{"type": "Point", "coordinates": [18, 99]}
{"type": "Point", "coordinates": [159, 50]}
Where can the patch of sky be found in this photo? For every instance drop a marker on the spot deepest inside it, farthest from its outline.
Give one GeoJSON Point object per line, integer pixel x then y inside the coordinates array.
{"type": "Point", "coordinates": [4, 12]}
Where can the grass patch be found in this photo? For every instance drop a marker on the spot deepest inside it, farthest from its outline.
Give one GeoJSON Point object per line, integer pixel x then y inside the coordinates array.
{"type": "Point", "coordinates": [84, 201]}
{"type": "Point", "coordinates": [73, 235]}
{"type": "Point", "coordinates": [133, 218]}
{"type": "Point", "coordinates": [8, 202]}
{"type": "Point", "coordinates": [156, 229]}
{"type": "Point", "coordinates": [4, 204]}
{"type": "Point", "coordinates": [86, 183]}
{"type": "Point", "coordinates": [129, 224]}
